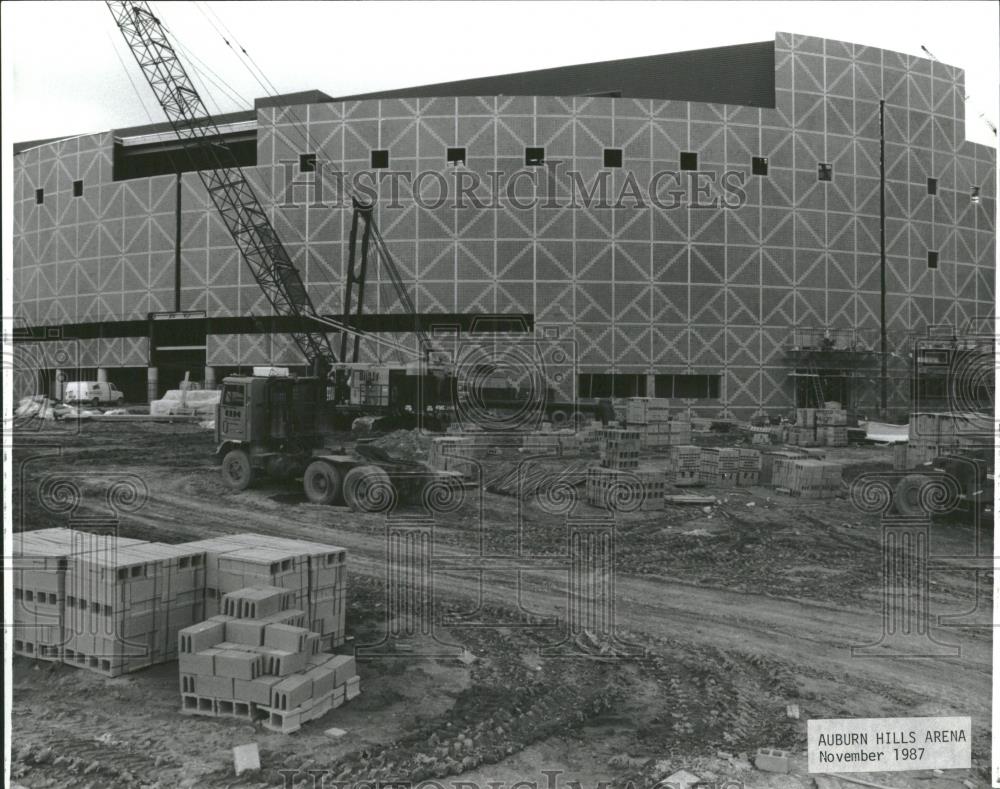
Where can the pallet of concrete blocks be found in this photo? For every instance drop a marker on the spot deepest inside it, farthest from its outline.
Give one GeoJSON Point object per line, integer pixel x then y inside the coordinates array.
{"type": "Point", "coordinates": [625, 489]}
{"type": "Point", "coordinates": [619, 448]}
{"type": "Point", "coordinates": [685, 462]}
{"type": "Point", "coordinates": [719, 466]}
{"type": "Point", "coordinates": [124, 605]}
{"type": "Point", "coordinates": [808, 479]}
{"type": "Point", "coordinates": [39, 581]}
{"type": "Point", "coordinates": [647, 410]}
{"type": "Point", "coordinates": [261, 668]}
{"type": "Point", "coordinates": [832, 436]}
{"type": "Point", "coordinates": [831, 417]}
{"type": "Point", "coordinates": [315, 572]}
{"type": "Point", "coordinates": [748, 472]}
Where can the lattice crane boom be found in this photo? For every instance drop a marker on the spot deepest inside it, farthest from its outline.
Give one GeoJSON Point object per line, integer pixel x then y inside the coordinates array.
{"type": "Point", "coordinates": [227, 185]}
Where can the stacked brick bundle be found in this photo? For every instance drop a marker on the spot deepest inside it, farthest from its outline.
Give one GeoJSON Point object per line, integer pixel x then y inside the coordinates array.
{"type": "Point", "coordinates": [257, 662]}
{"type": "Point", "coordinates": [818, 427]}
{"type": "Point", "coordinates": [685, 462]}
{"type": "Point", "coordinates": [627, 489]}
{"type": "Point", "coordinates": [314, 572]}
{"type": "Point", "coordinates": [651, 417]}
{"type": "Point", "coordinates": [619, 448]}
{"type": "Point", "coordinates": [810, 479]}
{"type": "Point", "coordinates": [719, 466]}
{"type": "Point", "coordinates": [105, 603]}
{"type": "Point", "coordinates": [748, 472]}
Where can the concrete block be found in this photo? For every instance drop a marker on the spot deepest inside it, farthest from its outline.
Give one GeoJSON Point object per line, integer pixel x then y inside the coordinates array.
{"type": "Point", "coordinates": [322, 679]}
{"type": "Point", "coordinates": [284, 663]}
{"type": "Point", "coordinates": [245, 631]}
{"type": "Point", "coordinates": [353, 688]}
{"type": "Point", "coordinates": [214, 687]}
{"type": "Point", "coordinates": [285, 637]}
{"type": "Point", "coordinates": [201, 663]}
{"type": "Point", "coordinates": [772, 760]}
{"type": "Point", "coordinates": [201, 636]}
{"type": "Point", "coordinates": [238, 665]}
{"type": "Point", "coordinates": [246, 758]}
{"type": "Point", "coordinates": [344, 667]}
{"type": "Point", "coordinates": [256, 691]}
{"type": "Point", "coordinates": [291, 692]}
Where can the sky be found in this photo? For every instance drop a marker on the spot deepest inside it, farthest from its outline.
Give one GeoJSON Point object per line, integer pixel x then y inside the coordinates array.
{"type": "Point", "coordinates": [63, 76]}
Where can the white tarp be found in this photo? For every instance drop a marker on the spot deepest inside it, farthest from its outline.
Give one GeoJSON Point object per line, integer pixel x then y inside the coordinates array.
{"type": "Point", "coordinates": [887, 434]}
{"type": "Point", "coordinates": [177, 401]}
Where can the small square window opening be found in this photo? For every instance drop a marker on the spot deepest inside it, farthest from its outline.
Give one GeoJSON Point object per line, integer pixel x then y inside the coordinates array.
{"type": "Point", "coordinates": [612, 157]}
{"type": "Point", "coordinates": [456, 156]}
{"type": "Point", "coordinates": [534, 157]}
{"type": "Point", "coordinates": [77, 188]}
{"type": "Point", "coordinates": [932, 259]}
{"type": "Point", "coordinates": [932, 186]}
{"type": "Point", "coordinates": [307, 162]}
{"type": "Point", "coordinates": [689, 160]}
{"type": "Point", "coordinates": [39, 196]}
{"type": "Point", "coordinates": [825, 172]}
{"type": "Point", "coordinates": [758, 165]}
{"type": "Point", "coordinates": [380, 160]}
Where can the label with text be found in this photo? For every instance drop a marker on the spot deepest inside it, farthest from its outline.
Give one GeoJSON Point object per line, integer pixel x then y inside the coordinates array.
{"type": "Point", "coordinates": [862, 745]}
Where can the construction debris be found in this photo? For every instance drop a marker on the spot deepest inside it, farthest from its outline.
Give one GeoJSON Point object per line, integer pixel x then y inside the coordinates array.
{"type": "Point", "coordinates": [186, 402]}
{"type": "Point", "coordinates": [246, 758]}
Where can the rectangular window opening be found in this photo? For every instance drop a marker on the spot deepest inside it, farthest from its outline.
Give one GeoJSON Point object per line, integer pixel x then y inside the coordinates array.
{"type": "Point", "coordinates": [534, 157]}
{"type": "Point", "coordinates": [689, 160]}
{"type": "Point", "coordinates": [380, 160]}
{"type": "Point", "coordinates": [39, 196]}
{"type": "Point", "coordinates": [825, 172]}
{"type": "Point", "coordinates": [455, 156]}
{"type": "Point", "coordinates": [688, 386]}
{"type": "Point", "coordinates": [612, 157]}
{"type": "Point", "coordinates": [77, 188]}
{"type": "Point", "coordinates": [932, 259]}
{"type": "Point", "coordinates": [758, 165]}
{"type": "Point", "coordinates": [974, 196]}
{"type": "Point", "coordinates": [307, 162]}
{"type": "Point", "coordinates": [932, 186]}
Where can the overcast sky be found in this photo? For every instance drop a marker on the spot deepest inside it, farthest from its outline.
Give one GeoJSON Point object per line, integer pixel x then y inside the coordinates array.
{"type": "Point", "coordinates": [63, 77]}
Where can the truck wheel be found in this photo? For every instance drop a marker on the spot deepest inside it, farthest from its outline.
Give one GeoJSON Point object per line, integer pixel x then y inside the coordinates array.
{"type": "Point", "coordinates": [321, 482]}
{"type": "Point", "coordinates": [908, 494]}
{"type": "Point", "coordinates": [237, 473]}
{"type": "Point", "coordinates": [366, 489]}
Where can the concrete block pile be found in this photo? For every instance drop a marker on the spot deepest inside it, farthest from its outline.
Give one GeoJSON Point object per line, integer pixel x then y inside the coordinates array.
{"type": "Point", "coordinates": [314, 572]}
{"type": "Point", "coordinates": [109, 604]}
{"type": "Point", "coordinates": [651, 417]}
{"type": "Point", "coordinates": [637, 488]}
{"type": "Point", "coordinates": [114, 605]}
{"type": "Point", "coordinates": [809, 479]}
{"type": "Point", "coordinates": [257, 662]}
{"type": "Point", "coordinates": [819, 427]}
{"type": "Point", "coordinates": [619, 448]}
{"type": "Point", "coordinates": [685, 462]}
{"type": "Point", "coordinates": [719, 466]}
{"type": "Point", "coordinates": [748, 471]}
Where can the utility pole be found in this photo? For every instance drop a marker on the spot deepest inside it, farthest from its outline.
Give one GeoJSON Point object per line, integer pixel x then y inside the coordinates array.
{"type": "Point", "coordinates": [884, 342]}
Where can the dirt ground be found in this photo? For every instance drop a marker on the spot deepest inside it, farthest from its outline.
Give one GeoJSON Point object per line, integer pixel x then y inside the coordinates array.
{"type": "Point", "coordinates": [725, 616]}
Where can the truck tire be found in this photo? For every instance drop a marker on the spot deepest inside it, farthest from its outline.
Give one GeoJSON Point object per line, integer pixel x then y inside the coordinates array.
{"type": "Point", "coordinates": [366, 489]}
{"type": "Point", "coordinates": [237, 472]}
{"type": "Point", "coordinates": [907, 495]}
{"type": "Point", "coordinates": [321, 482]}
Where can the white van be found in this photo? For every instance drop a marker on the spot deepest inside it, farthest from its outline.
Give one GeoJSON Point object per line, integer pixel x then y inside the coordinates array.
{"type": "Point", "coordinates": [92, 393]}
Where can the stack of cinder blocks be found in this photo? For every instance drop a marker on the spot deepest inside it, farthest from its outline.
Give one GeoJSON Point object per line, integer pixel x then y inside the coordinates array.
{"type": "Point", "coordinates": [809, 479]}
{"type": "Point", "coordinates": [719, 466]}
{"type": "Point", "coordinates": [685, 462]}
{"type": "Point", "coordinates": [106, 603]}
{"type": "Point", "coordinates": [619, 448]}
{"type": "Point", "coordinates": [651, 417]}
{"type": "Point", "coordinates": [113, 605]}
{"type": "Point", "coordinates": [256, 662]}
{"type": "Point", "coordinates": [831, 427]}
{"type": "Point", "coordinates": [638, 488]}
{"type": "Point", "coordinates": [314, 572]}
{"type": "Point", "coordinates": [748, 472]}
